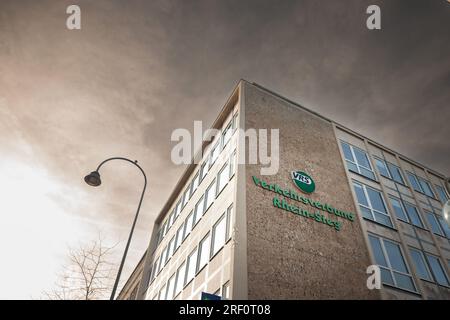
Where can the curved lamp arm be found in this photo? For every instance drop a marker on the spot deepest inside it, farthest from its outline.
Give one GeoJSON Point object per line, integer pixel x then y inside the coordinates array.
{"type": "Point", "coordinates": [96, 176]}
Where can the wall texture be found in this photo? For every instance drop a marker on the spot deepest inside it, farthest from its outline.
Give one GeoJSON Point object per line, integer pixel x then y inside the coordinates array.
{"type": "Point", "coordinates": [289, 256]}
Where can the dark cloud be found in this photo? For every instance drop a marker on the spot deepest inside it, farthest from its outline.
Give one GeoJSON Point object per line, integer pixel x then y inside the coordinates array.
{"type": "Point", "coordinates": [139, 69]}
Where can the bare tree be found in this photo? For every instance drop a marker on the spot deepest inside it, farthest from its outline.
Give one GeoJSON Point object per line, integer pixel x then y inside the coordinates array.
{"type": "Point", "coordinates": [89, 274]}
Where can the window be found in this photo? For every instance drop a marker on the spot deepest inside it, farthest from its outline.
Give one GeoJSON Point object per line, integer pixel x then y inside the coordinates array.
{"type": "Point", "coordinates": [170, 287]}
{"type": "Point", "coordinates": [222, 178]}
{"type": "Point", "coordinates": [372, 204]}
{"type": "Point", "coordinates": [203, 252]}
{"type": "Point", "coordinates": [170, 220]}
{"type": "Point", "coordinates": [162, 293]}
{"type": "Point", "coordinates": [413, 214]}
{"type": "Point", "coordinates": [357, 160]}
{"type": "Point", "coordinates": [164, 229]}
{"type": "Point", "coordinates": [226, 290]}
{"type": "Point", "coordinates": [159, 237]}
{"type": "Point", "coordinates": [188, 225]}
{"type": "Point", "coordinates": [191, 265]}
{"type": "Point", "coordinates": [163, 258]}
{"type": "Point", "coordinates": [394, 270]}
{"type": "Point", "coordinates": [179, 237]}
{"type": "Point", "coordinates": [233, 163]}
{"type": "Point", "coordinates": [382, 168]}
{"type": "Point", "coordinates": [420, 264]}
{"type": "Point", "coordinates": [219, 233]}
{"type": "Point", "coordinates": [434, 224]}
{"type": "Point", "coordinates": [205, 168]}
{"type": "Point", "coordinates": [155, 269]}
{"type": "Point", "coordinates": [210, 195]}
{"type": "Point", "coordinates": [235, 122]}
{"type": "Point", "coordinates": [229, 222]}
{"type": "Point", "coordinates": [426, 187]}
{"type": "Point", "coordinates": [398, 209]}
{"type": "Point", "coordinates": [438, 271]}
{"type": "Point", "coordinates": [414, 183]}
{"type": "Point", "coordinates": [195, 183]}
{"type": "Point", "coordinates": [442, 194]}
{"type": "Point", "coordinates": [395, 172]}
{"type": "Point", "coordinates": [199, 209]}
{"type": "Point", "coordinates": [170, 248]}
{"type": "Point", "coordinates": [177, 209]}
{"type": "Point", "coordinates": [444, 226]}
{"type": "Point", "coordinates": [215, 153]}
{"type": "Point", "coordinates": [186, 196]}
{"type": "Point", "coordinates": [227, 133]}
{"type": "Point", "coordinates": [180, 279]}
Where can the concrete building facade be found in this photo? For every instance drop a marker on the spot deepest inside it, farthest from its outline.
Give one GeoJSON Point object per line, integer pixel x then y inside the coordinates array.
{"type": "Point", "coordinates": [339, 203]}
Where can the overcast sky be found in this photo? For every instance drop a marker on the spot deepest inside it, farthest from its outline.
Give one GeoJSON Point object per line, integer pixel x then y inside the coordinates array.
{"type": "Point", "coordinates": [139, 69]}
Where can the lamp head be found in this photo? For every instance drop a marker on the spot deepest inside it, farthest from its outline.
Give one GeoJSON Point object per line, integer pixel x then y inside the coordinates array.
{"type": "Point", "coordinates": [93, 179]}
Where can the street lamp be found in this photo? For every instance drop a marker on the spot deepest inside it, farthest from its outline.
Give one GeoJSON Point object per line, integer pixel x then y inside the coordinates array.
{"type": "Point", "coordinates": [93, 179]}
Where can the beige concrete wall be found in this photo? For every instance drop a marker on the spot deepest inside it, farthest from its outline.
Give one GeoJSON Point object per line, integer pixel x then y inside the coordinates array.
{"type": "Point", "coordinates": [289, 256]}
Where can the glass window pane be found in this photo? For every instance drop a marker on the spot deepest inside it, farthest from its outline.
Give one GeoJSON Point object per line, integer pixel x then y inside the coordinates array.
{"type": "Point", "coordinates": [223, 178]}
{"type": "Point", "coordinates": [180, 278]}
{"type": "Point", "coordinates": [227, 133]}
{"type": "Point", "coordinates": [395, 257]}
{"type": "Point", "coordinates": [386, 277]}
{"type": "Point", "coordinates": [426, 187]}
{"type": "Point", "coordinates": [413, 180]}
{"type": "Point", "coordinates": [404, 281]}
{"type": "Point", "coordinates": [438, 272]}
{"type": "Point", "coordinates": [351, 166]}
{"type": "Point", "coordinates": [179, 237]}
{"type": "Point", "coordinates": [347, 152]}
{"type": "Point", "coordinates": [203, 251]}
{"type": "Point", "coordinates": [376, 200]}
{"type": "Point", "coordinates": [194, 184]}
{"type": "Point", "coordinates": [162, 293]}
{"type": "Point", "coordinates": [360, 194]}
{"type": "Point", "coordinates": [367, 173]}
{"type": "Point", "coordinates": [191, 264]}
{"type": "Point", "coordinates": [442, 194]}
{"type": "Point", "coordinates": [367, 213]}
{"type": "Point", "coordinates": [398, 209]}
{"type": "Point", "coordinates": [395, 173]}
{"type": "Point", "coordinates": [188, 225]}
{"type": "Point", "coordinates": [170, 287]}
{"type": "Point", "coordinates": [361, 158]}
{"type": "Point", "coordinates": [199, 209]}
{"type": "Point", "coordinates": [420, 265]}
{"type": "Point", "coordinates": [444, 226]}
{"type": "Point", "coordinates": [232, 163]}
{"type": "Point", "coordinates": [381, 165]}
{"type": "Point", "coordinates": [413, 214]}
{"type": "Point", "coordinates": [229, 221]}
{"type": "Point", "coordinates": [215, 153]}
{"type": "Point", "coordinates": [432, 220]}
{"type": "Point", "coordinates": [210, 195]}
{"type": "Point", "coordinates": [377, 251]}
{"type": "Point", "coordinates": [205, 168]}
{"type": "Point", "coordinates": [219, 234]}
{"type": "Point", "coordinates": [382, 218]}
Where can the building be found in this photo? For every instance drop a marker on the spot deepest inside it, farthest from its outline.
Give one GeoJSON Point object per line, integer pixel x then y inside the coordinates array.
{"type": "Point", "coordinates": [339, 203]}
{"type": "Point", "coordinates": [130, 289]}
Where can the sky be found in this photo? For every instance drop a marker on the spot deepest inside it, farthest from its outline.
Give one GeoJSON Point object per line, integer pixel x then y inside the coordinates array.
{"type": "Point", "coordinates": [137, 70]}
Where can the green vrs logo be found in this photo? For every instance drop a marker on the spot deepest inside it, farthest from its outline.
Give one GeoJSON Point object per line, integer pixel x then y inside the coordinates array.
{"type": "Point", "coordinates": [303, 181]}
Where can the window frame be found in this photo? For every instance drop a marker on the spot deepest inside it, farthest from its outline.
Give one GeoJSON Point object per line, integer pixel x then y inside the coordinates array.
{"type": "Point", "coordinates": [356, 163]}
{"type": "Point", "coordinates": [370, 207]}
{"type": "Point", "coordinates": [389, 267]}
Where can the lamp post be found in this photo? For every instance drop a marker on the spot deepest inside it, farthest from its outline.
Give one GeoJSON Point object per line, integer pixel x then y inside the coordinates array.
{"type": "Point", "coordinates": [93, 179]}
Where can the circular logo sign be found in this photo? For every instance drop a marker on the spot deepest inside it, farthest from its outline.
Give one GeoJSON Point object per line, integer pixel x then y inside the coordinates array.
{"type": "Point", "coordinates": [303, 181]}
